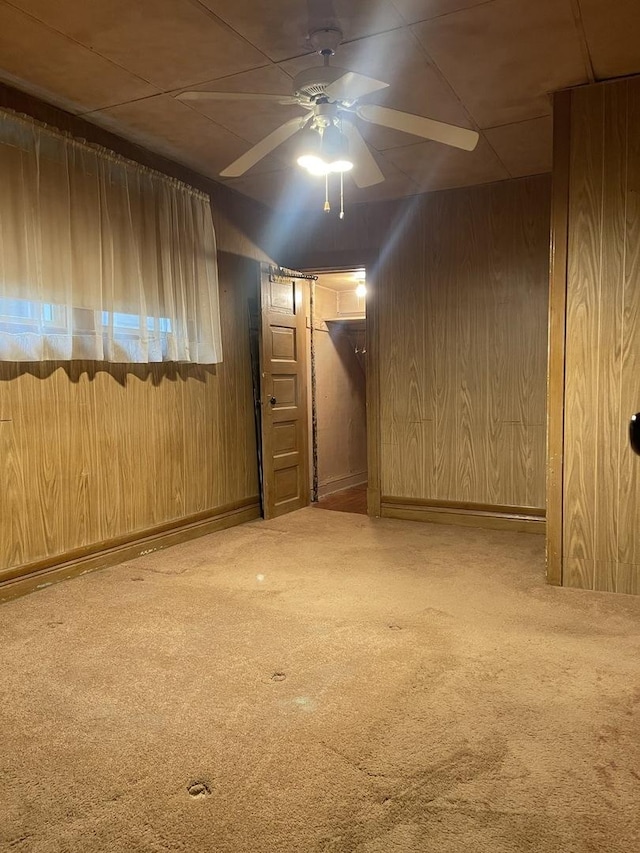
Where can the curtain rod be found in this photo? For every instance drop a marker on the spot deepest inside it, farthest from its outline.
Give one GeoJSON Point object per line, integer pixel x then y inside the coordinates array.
{"type": "Point", "coordinates": [285, 271]}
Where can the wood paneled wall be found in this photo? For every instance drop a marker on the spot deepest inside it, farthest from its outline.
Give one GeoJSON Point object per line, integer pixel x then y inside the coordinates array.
{"type": "Point", "coordinates": [463, 315]}
{"type": "Point", "coordinates": [93, 453]}
{"type": "Point", "coordinates": [340, 399]}
{"type": "Point", "coordinates": [461, 292]}
{"type": "Point", "coordinates": [601, 531]}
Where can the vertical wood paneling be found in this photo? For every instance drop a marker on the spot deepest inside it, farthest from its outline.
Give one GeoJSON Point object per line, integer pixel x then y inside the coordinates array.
{"type": "Point", "coordinates": [607, 459]}
{"type": "Point", "coordinates": [584, 271]}
{"type": "Point", "coordinates": [628, 505]}
{"type": "Point", "coordinates": [602, 384]}
{"type": "Point", "coordinates": [461, 306]}
{"type": "Point", "coordinates": [444, 300]}
{"type": "Point", "coordinates": [463, 348]}
{"type": "Point", "coordinates": [401, 336]}
{"type": "Point", "coordinates": [92, 452]}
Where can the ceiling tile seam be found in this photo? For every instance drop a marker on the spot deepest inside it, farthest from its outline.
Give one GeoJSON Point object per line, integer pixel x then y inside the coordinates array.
{"type": "Point", "coordinates": [373, 35]}
{"type": "Point", "coordinates": [389, 162]}
{"type": "Point", "coordinates": [79, 44]}
{"type": "Point", "coordinates": [399, 13]}
{"type": "Point", "coordinates": [216, 123]}
{"type": "Point", "coordinates": [125, 129]}
{"type": "Point", "coordinates": [446, 14]}
{"type": "Point", "coordinates": [582, 37]}
{"type": "Point", "coordinates": [225, 25]}
{"type": "Point", "coordinates": [176, 91]}
{"type": "Point", "coordinates": [100, 110]}
{"type": "Point", "coordinates": [520, 121]}
{"type": "Point", "coordinates": [498, 158]}
{"type": "Point", "coordinates": [443, 78]}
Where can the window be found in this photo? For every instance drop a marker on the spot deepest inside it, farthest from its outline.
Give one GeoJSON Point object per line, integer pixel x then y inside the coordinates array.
{"type": "Point", "coordinates": [101, 258]}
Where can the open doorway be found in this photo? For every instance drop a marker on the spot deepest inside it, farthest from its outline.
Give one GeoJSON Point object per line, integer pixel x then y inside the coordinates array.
{"type": "Point", "coordinates": [337, 390]}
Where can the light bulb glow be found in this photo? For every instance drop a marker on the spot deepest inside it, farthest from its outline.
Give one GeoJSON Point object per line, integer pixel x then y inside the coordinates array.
{"type": "Point", "coordinates": [313, 164]}
{"type": "Point", "coordinates": [317, 166]}
{"type": "Point", "coordinates": [361, 290]}
{"type": "Point", "coordinates": [341, 166]}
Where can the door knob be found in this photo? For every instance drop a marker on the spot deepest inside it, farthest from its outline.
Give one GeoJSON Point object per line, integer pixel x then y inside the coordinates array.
{"type": "Point", "coordinates": [634, 433]}
{"type": "Point", "coordinates": [273, 401]}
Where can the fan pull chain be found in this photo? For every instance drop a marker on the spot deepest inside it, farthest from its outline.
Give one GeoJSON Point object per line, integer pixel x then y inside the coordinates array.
{"type": "Point", "coordinates": [341, 195]}
{"type": "Point", "coordinates": [327, 206]}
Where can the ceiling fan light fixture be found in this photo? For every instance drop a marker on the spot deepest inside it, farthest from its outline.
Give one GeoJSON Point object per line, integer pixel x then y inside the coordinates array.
{"type": "Point", "coordinates": [323, 152]}
{"type": "Point", "coordinates": [308, 150]}
{"type": "Point", "coordinates": [335, 150]}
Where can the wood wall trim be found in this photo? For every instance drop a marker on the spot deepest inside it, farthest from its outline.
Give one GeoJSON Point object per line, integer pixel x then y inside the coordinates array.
{"type": "Point", "coordinates": [349, 481]}
{"type": "Point", "coordinates": [24, 579]}
{"type": "Point", "coordinates": [519, 519]}
{"type": "Point", "coordinates": [468, 506]}
{"type": "Point", "coordinates": [557, 332]}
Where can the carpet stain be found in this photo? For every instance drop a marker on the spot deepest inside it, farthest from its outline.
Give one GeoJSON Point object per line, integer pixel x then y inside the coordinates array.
{"type": "Point", "coordinates": [278, 676]}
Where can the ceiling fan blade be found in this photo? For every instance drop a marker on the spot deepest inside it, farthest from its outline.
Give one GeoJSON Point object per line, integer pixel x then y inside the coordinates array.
{"type": "Point", "coordinates": [428, 128]}
{"type": "Point", "coordinates": [264, 147]}
{"type": "Point", "coordinates": [352, 86]}
{"type": "Point", "coordinates": [366, 171]}
{"type": "Point", "coordinates": [235, 96]}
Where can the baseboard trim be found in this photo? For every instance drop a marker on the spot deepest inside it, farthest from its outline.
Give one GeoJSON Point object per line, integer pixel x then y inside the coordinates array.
{"type": "Point", "coordinates": [341, 483]}
{"type": "Point", "coordinates": [27, 578]}
{"type": "Point", "coordinates": [522, 519]}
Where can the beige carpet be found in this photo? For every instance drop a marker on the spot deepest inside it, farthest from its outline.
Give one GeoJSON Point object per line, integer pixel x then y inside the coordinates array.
{"type": "Point", "coordinates": [323, 683]}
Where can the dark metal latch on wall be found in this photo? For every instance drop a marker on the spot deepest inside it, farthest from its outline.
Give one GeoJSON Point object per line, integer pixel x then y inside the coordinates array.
{"type": "Point", "coordinates": [634, 433]}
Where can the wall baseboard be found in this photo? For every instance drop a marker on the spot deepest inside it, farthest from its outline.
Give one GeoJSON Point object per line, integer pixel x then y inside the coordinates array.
{"type": "Point", "coordinates": [341, 483]}
{"type": "Point", "coordinates": [23, 579]}
{"type": "Point", "coordinates": [522, 519]}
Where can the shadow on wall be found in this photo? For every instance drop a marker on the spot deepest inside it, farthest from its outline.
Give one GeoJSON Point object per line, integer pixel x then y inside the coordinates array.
{"type": "Point", "coordinates": [159, 372]}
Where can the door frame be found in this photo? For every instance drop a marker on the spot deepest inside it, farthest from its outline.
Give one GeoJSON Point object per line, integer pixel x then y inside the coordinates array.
{"type": "Point", "coordinates": [350, 260]}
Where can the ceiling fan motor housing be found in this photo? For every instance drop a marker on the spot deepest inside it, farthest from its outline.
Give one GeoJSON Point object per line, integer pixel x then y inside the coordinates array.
{"type": "Point", "coordinates": [312, 83]}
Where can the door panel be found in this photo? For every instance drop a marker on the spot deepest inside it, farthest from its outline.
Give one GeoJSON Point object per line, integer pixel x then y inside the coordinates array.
{"type": "Point", "coordinates": [283, 394]}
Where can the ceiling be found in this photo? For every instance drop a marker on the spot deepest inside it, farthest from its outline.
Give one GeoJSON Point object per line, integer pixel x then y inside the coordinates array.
{"type": "Point", "coordinates": [341, 281]}
{"type": "Point", "coordinates": [485, 64]}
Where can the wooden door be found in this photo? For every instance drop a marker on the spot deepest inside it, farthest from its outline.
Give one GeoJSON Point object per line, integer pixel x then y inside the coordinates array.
{"type": "Point", "coordinates": [283, 394]}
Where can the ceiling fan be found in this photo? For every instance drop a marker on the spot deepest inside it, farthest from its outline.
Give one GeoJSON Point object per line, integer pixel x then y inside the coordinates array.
{"type": "Point", "coordinates": [329, 140]}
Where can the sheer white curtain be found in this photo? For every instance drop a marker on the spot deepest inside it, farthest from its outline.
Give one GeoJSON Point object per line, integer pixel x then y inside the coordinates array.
{"type": "Point", "coordinates": [100, 258]}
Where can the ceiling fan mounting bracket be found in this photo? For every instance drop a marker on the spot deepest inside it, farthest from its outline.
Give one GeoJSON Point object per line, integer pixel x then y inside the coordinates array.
{"type": "Point", "coordinates": [325, 41]}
